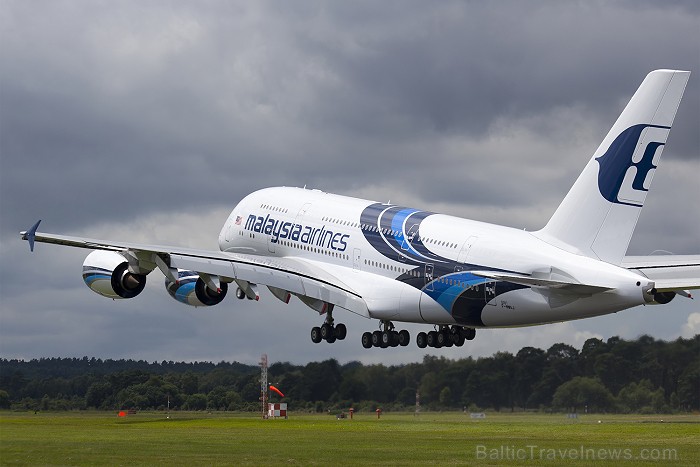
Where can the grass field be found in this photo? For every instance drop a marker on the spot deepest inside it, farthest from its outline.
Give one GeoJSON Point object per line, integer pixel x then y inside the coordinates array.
{"type": "Point", "coordinates": [95, 438]}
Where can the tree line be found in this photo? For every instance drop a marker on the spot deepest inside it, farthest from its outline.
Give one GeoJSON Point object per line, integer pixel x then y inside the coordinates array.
{"type": "Point", "coordinates": [645, 375]}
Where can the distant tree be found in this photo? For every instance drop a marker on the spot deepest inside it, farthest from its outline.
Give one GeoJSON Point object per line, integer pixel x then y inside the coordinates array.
{"type": "Point", "coordinates": [446, 397]}
{"type": "Point", "coordinates": [429, 388]}
{"type": "Point", "coordinates": [583, 392]}
{"type": "Point", "coordinates": [98, 394]}
{"type": "Point", "coordinates": [233, 401]}
{"type": "Point", "coordinates": [189, 383]}
{"type": "Point", "coordinates": [321, 380]}
{"type": "Point", "coordinates": [377, 383]}
{"type": "Point", "coordinates": [589, 352]}
{"type": "Point", "coordinates": [689, 387]}
{"type": "Point", "coordinates": [216, 399]}
{"type": "Point", "coordinates": [4, 400]}
{"type": "Point", "coordinates": [196, 402]}
{"type": "Point", "coordinates": [529, 364]}
{"type": "Point", "coordinates": [646, 374]}
{"type": "Point", "coordinates": [641, 397]}
{"type": "Point", "coordinates": [352, 389]}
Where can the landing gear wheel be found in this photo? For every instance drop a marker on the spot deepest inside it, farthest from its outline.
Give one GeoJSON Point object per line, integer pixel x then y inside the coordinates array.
{"type": "Point", "coordinates": [422, 340]}
{"type": "Point", "coordinates": [240, 294]}
{"type": "Point", "coordinates": [316, 335]}
{"type": "Point", "coordinates": [377, 338]}
{"type": "Point", "coordinates": [470, 334]}
{"type": "Point", "coordinates": [458, 339]}
{"type": "Point", "coordinates": [326, 331]}
{"type": "Point", "coordinates": [394, 338]}
{"type": "Point", "coordinates": [386, 339]}
{"type": "Point", "coordinates": [367, 340]}
{"type": "Point", "coordinates": [432, 339]}
{"type": "Point", "coordinates": [404, 338]}
{"type": "Point", "coordinates": [441, 339]}
{"type": "Point", "coordinates": [341, 331]}
{"type": "Point", "coordinates": [330, 339]}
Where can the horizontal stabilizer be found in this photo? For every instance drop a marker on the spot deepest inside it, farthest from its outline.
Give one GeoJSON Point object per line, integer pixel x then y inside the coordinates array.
{"type": "Point", "coordinates": [670, 273]}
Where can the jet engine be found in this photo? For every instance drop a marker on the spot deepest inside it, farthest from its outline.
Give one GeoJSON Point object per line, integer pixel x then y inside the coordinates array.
{"type": "Point", "coordinates": [655, 297]}
{"type": "Point", "coordinates": [191, 289]}
{"type": "Point", "coordinates": [107, 273]}
{"type": "Point", "coordinates": [663, 298]}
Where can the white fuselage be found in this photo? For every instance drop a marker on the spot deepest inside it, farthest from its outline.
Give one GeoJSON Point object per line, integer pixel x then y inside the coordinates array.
{"type": "Point", "coordinates": [411, 265]}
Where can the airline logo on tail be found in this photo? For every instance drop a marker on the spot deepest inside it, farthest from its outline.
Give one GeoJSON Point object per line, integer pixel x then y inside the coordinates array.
{"type": "Point", "coordinates": [627, 167]}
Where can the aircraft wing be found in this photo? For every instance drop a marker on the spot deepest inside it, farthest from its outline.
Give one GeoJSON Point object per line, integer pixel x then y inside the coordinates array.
{"type": "Point", "coordinates": [291, 274]}
{"type": "Point", "coordinates": [670, 273]}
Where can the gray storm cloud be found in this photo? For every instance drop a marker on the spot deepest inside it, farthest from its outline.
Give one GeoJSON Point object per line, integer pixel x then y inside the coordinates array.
{"type": "Point", "coordinates": [151, 120]}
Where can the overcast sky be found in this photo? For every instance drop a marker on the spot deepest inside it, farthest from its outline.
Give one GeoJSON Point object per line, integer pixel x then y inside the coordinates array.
{"type": "Point", "coordinates": [149, 121]}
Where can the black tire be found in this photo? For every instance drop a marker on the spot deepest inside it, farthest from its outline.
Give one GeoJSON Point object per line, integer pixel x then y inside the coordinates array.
{"type": "Point", "coordinates": [441, 339]}
{"type": "Point", "coordinates": [432, 339]}
{"type": "Point", "coordinates": [331, 338]}
{"type": "Point", "coordinates": [458, 339]}
{"type": "Point", "coordinates": [404, 338]}
{"type": "Point", "coordinates": [422, 340]}
{"type": "Point", "coordinates": [367, 340]}
{"type": "Point", "coordinates": [385, 340]}
{"type": "Point", "coordinates": [326, 331]}
{"type": "Point", "coordinates": [448, 340]}
{"type": "Point", "coordinates": [341, 331]}
{"type": "Point", "coordinates": [316, 335]}
{"type": "Point", "coordinates": [470, 334]}
{"type": "Point", "coordinates": [376, 338]}
{"type": "Point", "coordinates": [394, 338]}
{"type": "Point", "coordinates": [240, 294]}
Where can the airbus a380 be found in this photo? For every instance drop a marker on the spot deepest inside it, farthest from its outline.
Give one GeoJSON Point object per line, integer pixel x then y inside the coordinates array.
{"type": "Point", "coordinates": [397, 264]}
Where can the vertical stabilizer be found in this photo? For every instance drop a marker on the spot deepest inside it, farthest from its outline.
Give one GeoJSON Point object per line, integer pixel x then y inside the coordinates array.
{"type": "Point", "coordinates": [600, 212]}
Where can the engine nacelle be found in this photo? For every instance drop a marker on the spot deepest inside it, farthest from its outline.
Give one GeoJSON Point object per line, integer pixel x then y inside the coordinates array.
{"type": "Point", "coordinates": [107, 273]}
{"type": "Point", "coordinates": [192, 290]}
{"type": "Point", "coordinates": [655, 297]}
{"type": "Point", "coordinates": [663, 298]}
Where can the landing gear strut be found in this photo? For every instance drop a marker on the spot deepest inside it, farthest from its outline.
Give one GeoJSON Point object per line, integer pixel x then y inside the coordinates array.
{"type": "Point", "coordinates": [445, 336]}
{"type": "Point", "coordinates": [328, 331]}
{"type": "Point", "coordinates": [388, 337]}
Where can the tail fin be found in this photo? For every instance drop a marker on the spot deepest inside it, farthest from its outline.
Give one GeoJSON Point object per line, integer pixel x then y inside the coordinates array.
{"type": "Point", "coordinates": [599, 213]}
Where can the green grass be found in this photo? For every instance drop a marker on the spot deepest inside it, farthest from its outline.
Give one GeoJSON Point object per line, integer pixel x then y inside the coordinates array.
{"type": "Point", "coordinates": [97, 438]}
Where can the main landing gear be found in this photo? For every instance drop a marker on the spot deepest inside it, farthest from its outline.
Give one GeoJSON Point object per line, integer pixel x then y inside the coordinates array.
{"type": "Point", "coordinates": [389, 337]}
{"type": "Point", "coordinates": [445, 336]}
{"type": "Point", "coordinates": [328, 331]}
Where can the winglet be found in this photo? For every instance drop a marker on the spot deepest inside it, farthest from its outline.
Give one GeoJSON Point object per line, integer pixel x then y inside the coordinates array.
{"type": "Point", "coordinates": [30, 234]}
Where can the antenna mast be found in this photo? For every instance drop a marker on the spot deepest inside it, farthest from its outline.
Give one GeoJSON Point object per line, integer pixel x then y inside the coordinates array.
{"type": "Point", "coordinates": [263, 385]}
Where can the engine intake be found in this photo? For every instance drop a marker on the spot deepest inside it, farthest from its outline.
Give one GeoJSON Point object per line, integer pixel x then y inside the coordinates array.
{"type": "Point", "coordinates": [107, 273]}
{"type": "Point", "coordinates": [191, 290]}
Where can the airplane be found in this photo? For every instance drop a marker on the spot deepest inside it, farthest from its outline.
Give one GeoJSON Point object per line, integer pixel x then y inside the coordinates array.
{"type": "Point", "coordinates": [396, 264]}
